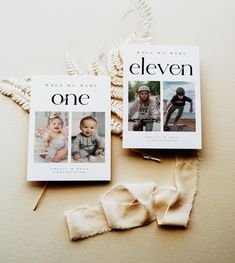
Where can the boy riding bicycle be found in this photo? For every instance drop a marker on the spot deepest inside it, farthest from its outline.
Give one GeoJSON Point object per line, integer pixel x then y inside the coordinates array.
{"type": "Point", "coordinates": [147, 110]}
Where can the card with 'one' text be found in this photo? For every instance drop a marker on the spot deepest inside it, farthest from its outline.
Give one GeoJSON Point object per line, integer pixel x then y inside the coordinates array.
{"type": "Point", "coordinates": [69, 129]}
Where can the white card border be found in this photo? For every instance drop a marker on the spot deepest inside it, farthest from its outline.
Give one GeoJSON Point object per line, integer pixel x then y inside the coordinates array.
{"type": "Point", "coordinates": [96, 171]}
{"type": "Point", "coordinates": [161, 140]}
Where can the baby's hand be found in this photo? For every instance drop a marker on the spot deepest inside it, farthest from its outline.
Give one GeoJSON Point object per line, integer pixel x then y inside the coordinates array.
{"type": "Point", "coordinates": [50, 138]}
{"type": "Point", "coordinates": [98, 151]}
{"type": "Point", "coordinates": [76, 156]}
{"type": "Point", "coordinates": [191, 109]}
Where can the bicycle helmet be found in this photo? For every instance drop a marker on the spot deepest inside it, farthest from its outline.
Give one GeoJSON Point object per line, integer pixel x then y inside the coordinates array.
{"type": "Point", "coordinates": [143, 88]}
{"type": "Point", "coordinates": [180, 91]}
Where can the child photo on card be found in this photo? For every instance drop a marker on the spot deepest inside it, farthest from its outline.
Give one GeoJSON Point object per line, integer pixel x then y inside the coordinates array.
{"type": "Point", "coordinates": [144, 106]}
{"type": "Point", "coordinates": [161, 97]}
{"type": "Point", "coordinates": [69, 129]}
{"type": "Point", "coordinates": [88, 137]}
{"type": "Point", "coordinates": [51, 137]}
{"type": "Point", "coordinates": [179, 106]}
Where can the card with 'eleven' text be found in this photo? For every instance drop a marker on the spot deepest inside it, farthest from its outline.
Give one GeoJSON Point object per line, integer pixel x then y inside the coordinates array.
{"type": "Point", "coordinates": [162, 106]}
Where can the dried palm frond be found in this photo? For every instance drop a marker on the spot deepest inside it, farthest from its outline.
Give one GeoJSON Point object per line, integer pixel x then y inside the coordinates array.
{"type": "Point", "coordinates": [97, 67]}
{"type": "Point", "coordinates": [72, 67]}
{"type": "Point", "coordinates": [18, 91]}
{"type": "Point", "coordinates": [117, 108]}
{"type": "Point", "coordinates": [117, 93]}
{"type": "Point", "coordinates": [115, 61]}
{"type": "Point", "coordinates": [117, 80]}
{"type": "Point", "coordinates": [116, 127]}
{"type": "Point", "coordinates": [145, 13]}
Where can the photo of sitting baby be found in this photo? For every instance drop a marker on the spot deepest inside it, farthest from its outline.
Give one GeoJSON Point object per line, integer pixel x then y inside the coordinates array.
{"type": "Point", "coordinates": [51, 142]}
{"type": "Point", "coordinates": [88, 145]}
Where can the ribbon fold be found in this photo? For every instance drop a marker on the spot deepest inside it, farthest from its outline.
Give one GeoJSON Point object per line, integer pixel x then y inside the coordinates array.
{"type": "Point", "coordinates": [127, 206]}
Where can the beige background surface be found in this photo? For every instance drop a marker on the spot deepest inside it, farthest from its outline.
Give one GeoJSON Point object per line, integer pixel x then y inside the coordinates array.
{"type": "Point", "coordinates": [34, 36]}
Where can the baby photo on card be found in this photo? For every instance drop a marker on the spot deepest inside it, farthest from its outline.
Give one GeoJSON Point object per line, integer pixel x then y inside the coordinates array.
{"type": "Point", "coordinates": [51, 137]}
{"type": "Point", "coordinates": [69, 129]}
{"type": "Point", "coordinates": [161, 97]}
{"type": "Point", "coordinates": [88, 137]}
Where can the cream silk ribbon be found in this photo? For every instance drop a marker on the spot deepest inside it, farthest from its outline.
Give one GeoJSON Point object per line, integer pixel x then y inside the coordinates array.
{"type": "Point", "coordinates": [132, 205]}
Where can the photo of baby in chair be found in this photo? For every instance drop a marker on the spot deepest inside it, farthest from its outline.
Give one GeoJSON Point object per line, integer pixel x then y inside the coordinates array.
{"type": "Point", "coordinates": [51, 137]}
{"type": "Point", "coordinates": [88, 143]}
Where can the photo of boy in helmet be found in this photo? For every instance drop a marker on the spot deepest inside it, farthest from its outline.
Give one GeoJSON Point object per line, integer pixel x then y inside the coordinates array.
{"type": "Point", "coordinates": [178, 102]}
{"type": "Point", "coordinates": [144, 106]}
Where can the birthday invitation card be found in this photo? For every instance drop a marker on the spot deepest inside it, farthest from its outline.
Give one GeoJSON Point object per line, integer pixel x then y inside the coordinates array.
{"type": "Point", "coordinates": [162, 107]}
{"type": "Point", "coordinates": [69, 129]}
